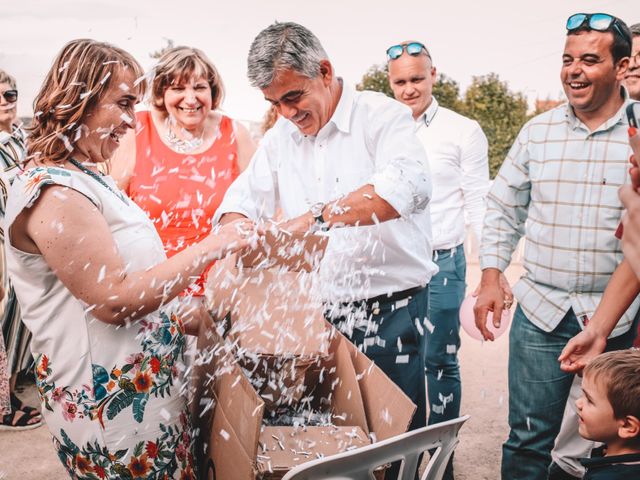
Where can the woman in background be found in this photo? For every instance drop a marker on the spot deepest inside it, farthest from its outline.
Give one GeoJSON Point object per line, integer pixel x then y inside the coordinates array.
{"type": "Point", "coordinates": [14, 336]}
{"type": "Point", "coordinates": [185, 153]}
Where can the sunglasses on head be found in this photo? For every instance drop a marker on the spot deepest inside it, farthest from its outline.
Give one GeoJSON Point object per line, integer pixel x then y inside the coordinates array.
{"type": "Point", "coordinates": [10, 95]}
{"type": "Point", "coordinates": [412, 48]}
{"type": "Point", "coordinates": [601, 22]}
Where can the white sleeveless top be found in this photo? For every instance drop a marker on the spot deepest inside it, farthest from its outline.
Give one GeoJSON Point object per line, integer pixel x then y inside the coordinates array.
{"type": "Point", "coordinates": [104, 389]}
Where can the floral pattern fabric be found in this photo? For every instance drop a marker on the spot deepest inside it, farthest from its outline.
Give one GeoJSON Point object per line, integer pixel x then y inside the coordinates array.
{"type": "Point", "coordinates": [110, 394]}
{"type": "Point", "coordinates": [5, 401]}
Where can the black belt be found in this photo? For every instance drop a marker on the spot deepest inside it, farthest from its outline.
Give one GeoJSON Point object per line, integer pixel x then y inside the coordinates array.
{"type": "Point", "coordinates": [442, 251]}
{"type": "Point", "coordinates": [375, 302]}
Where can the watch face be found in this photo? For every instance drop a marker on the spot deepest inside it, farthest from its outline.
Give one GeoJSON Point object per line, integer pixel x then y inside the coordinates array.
{"type": "Point", "coordinates": [316, 209]}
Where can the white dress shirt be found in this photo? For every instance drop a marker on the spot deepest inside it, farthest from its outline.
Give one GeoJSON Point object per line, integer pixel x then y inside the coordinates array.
{"type": "Point", "coordinates": [369, 140]}
{"type": "Point", "coordinates": [457, 150]}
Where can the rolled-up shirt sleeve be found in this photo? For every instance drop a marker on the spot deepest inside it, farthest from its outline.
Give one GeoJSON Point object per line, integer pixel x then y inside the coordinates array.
{"type": "Point", "coordinates": [507, 207]}
{"type": "Point", "coordinates": [402, 176]}
{"type": "Point", "coordinates": [254, 193]}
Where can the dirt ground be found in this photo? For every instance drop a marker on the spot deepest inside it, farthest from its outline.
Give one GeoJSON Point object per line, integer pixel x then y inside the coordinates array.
{"type": "Point", "coordinates": [30, 455]}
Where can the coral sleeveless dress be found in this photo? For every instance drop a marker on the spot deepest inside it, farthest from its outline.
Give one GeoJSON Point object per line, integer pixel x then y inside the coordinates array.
{"type": "Point", "coordinates": [180, 192]}
{"type": "Point", "coordinates": [110, 395]}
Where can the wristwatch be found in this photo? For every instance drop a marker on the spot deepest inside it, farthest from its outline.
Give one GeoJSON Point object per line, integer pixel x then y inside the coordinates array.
{"type": "Point", "coordinates": [316, 211]}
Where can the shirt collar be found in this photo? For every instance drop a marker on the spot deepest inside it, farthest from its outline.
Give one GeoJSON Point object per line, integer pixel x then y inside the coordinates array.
{"type": "Point", "coordinates": [595, 462]}
{"type": "Point", "coordinates": [617, 117]}
{"type": "Point", "coordinates": [341, 117]}
{"type": "Point", "coordinates": [427, 117]}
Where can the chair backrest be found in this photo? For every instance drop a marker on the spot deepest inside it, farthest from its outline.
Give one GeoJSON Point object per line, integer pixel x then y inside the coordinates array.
{"type": "Point", "coordinates": [359, 464]}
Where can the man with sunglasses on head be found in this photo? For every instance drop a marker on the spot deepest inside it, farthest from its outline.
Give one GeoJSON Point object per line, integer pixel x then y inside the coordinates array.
{"type": "Point", "coordinates": [569, 446]}
{"type": "Point", "coordinates": [349, 163]}
{"type": "Point", "coordinates": [559, 188]}
{"type": "Point", "coordinates": [457, 150]}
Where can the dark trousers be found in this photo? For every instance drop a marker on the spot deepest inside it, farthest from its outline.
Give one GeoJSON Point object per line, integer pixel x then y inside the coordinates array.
{"type": "Point", "coordinates": [446, 293]}
{"type": "Point", "coordinates": [392, 335]}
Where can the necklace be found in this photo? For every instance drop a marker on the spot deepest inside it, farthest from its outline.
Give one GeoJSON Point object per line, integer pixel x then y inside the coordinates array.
{"type": "Point", "coordinates": [181, 145]}
{"type": "Point", "coordinates": [97, 178]}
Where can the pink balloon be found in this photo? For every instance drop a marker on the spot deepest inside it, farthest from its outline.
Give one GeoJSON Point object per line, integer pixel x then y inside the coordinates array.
{"type": "Point", "coordinates": [468, 321]}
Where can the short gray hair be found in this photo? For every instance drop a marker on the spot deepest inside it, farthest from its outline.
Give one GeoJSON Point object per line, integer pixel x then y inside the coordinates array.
{"type": "Point", "coordinates": [6, 78]}
{"type": "Point", "coordinates": [635, 29]}
{"type": "Point", "coordinates": [283, 46]}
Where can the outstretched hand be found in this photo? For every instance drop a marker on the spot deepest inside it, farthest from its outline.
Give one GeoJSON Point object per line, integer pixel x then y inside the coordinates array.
{"type": "Point", "coordinates": [580, 350]}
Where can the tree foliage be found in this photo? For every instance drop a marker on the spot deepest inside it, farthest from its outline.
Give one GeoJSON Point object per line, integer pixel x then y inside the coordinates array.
{"type": "Point", "coordinates": [445, 89]}
{"type": "Point", "coordinates": [500, 112]}
{"type": "Point", "coordinates": [376, 80]}
{"type": "Point", "coordinates": [158, 53]}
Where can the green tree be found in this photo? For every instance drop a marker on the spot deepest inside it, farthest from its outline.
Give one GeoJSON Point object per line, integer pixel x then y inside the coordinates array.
{"type": "Point", "coordinates": [376, 80]}
{"type": "Point", "coordinates": [158, 53]}
{"type": "Point", "coordinates": [445, 89]}
{"type": "Point", "coordinates": [500, 112]}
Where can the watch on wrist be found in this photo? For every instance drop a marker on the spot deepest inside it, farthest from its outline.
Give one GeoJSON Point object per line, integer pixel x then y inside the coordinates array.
{"type": "Point", "coordinates": [316, 211]}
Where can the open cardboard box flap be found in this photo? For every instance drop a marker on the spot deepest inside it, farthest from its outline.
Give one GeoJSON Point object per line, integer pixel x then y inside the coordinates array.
{"type": "Point", "coordinates": [273, 317]}
{"type": "Point", "coordinates": [232, 442]}
{"type": "Point", "coordinates": [226, 411]}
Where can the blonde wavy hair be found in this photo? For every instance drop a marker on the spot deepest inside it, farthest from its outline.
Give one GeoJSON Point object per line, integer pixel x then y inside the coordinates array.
{"type": "Point", "coordinates": [178, 65]}
{"type": "Point", "coordinates": [75, 85]}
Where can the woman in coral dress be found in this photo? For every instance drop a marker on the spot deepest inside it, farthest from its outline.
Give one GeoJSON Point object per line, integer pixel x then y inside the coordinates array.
{"type": "Point", "coordinates": [185, 153]}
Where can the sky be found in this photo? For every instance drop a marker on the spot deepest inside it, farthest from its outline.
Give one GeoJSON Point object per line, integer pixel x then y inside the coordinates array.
{"type": "Point", "coordinates": [521, 41]}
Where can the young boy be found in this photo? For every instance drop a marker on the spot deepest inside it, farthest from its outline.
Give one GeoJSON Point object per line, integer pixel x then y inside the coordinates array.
{"type": "Point", "coordinates": [609, 412]}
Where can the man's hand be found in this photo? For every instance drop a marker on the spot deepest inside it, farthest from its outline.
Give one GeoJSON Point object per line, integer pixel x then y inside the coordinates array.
{"type": "Point", "coordinates": [581, 349]}
{"type": "Point", "coordinates": [302, 224]}
{"type": "Point", "coordinates": [492, 297]}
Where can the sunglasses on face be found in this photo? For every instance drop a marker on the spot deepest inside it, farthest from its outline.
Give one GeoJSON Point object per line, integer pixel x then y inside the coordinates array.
{"type": "Point", "coordinates": [413, 48]}
{"type": "Point", "coordinates": [600, 22]}
{"type": "Point", "coordinates": [10, 95]}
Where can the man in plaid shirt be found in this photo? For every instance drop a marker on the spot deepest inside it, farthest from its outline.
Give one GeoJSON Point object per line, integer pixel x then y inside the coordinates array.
{"type": "Point", "coordinates": [558, 187]}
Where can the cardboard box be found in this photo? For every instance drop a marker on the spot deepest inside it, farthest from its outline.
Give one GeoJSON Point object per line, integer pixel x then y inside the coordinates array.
{"type": "Point", "coordinates": [274, 321]}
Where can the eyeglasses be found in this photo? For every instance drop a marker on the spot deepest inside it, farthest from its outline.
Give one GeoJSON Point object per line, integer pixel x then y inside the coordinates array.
{"type": "Point", "coordinates": [10, 95]}
{"type": "Point", "coordinates": [600, 22]}
{"type": "Point", "coordinates": [412, 48]}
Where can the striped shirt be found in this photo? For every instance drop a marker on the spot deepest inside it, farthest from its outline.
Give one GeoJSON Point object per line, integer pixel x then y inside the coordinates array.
{"type": "Point", "coordinates": [559, 188]}
{"type": "Point", "coordinates": [12, 153]}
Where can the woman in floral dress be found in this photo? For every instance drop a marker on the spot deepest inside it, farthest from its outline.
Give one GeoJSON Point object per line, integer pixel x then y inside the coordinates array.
{"type": "Point", "coordinates": [94, 284]}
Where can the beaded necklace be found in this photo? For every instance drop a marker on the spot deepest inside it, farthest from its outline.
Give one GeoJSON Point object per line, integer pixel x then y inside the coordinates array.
{"type": "Point", "coordinates": [97, 178]}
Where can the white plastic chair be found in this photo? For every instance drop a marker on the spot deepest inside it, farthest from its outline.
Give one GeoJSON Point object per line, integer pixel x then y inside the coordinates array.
{"type": "Point", "coordinates": [358, 464]}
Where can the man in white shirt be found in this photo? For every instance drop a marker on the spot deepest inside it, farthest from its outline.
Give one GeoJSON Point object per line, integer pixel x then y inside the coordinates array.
{"type": "Point", "coordinates": [457, 150]}
{"type": "Point", "coordinates": [348, 162]}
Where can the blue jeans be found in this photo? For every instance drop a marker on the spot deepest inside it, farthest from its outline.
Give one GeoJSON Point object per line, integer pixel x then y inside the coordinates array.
{"type": "Point", "coordinates": [446, 293]}
{"type": "Point", "coordinates": [538, 392]}
{"type": "Point", "coordinates": [393, 337]}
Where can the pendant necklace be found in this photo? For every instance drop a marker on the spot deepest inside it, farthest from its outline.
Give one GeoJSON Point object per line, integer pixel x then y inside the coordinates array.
{"type": "Point", "coordinates": [97, 178]}
{"type": "Point", "coordinates": [181, 145]}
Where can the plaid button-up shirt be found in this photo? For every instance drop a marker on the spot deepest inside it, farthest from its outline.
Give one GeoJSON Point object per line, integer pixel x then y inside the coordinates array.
{"type": "Point", "coordinates": [559, 188]}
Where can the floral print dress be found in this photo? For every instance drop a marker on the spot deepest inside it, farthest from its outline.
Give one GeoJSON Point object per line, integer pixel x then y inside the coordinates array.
{"type": "Point", "coordinates": [110, 395]}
